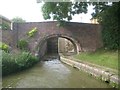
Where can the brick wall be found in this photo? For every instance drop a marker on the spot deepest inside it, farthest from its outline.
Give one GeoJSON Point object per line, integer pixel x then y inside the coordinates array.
{"type": "Point", "coordinates": [86, 36]}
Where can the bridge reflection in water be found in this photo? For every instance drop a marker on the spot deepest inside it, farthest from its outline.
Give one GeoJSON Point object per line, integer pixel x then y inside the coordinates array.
{"type": "Point", "coordinates": [52, 74]}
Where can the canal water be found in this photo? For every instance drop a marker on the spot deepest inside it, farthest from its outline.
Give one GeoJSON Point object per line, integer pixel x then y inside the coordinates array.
{"type": "Point", "coordinates": [52, 74]}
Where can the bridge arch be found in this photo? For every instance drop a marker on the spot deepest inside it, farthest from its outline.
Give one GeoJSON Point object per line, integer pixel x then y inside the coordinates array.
{"type": "Point", "coordinates": [41, 42]}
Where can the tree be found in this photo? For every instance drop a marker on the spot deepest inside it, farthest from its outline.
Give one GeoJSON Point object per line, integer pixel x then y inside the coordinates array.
{"type": "Point", "coordinates": [106, 14]}
{"type": "Point", "coordinates": [18, 20]}
{"type": "Point", "coordinates": [62, 11]}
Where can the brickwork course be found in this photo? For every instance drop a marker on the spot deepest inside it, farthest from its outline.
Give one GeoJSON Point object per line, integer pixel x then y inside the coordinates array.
{"type": "Point", "coordinates": [84, 36]}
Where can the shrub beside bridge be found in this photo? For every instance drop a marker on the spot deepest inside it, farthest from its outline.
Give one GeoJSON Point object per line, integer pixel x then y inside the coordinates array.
{"type": "Point", "coordinates": [12, 63]}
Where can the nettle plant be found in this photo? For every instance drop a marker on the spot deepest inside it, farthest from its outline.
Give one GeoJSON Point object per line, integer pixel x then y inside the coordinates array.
{"type": "Point", "coordinates": [32, 32]}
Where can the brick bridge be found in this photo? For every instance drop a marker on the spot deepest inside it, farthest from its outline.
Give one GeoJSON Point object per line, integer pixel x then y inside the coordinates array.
{"type": "Point", "coordinates": [84, 36]}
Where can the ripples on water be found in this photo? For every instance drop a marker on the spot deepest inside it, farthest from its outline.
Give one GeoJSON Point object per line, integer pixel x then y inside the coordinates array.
{"type": "Point", "coordinates": [52, 74]}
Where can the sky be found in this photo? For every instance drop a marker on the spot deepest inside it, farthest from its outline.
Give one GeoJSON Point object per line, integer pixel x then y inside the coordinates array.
{"type": "Point", "coordinates": [30, 11]}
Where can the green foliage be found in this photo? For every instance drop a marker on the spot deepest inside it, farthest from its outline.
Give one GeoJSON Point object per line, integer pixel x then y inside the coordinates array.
{"type": "Point", "coordinates": [62, 11]}
{"type": "Point", "coordinates": [114, 85]}
{"type": "Point", "coordinates": [101, 57]}
{"type": "Point", "coordinates": [22, 44]}
{"type": "Point", "coordinates": [108, 18]}
{"type": "Point", "coordinates": [4, 47]}
{"type": "Point", "coordinates": [4, 26]}
{"type": "Point", "coordinates": [110, 27]}
{"type": "Point", "coordinates": [105, 12]}
{"type": "Point", "coordinates": [13, 63]}
{"type": "Point", "coordinates": [32, 32]}
{"type": "Point", "coordinates": [25, 60]}
{"type": "Point", "coordinates": [18, 20]}
{"type": "Point", "coordinates": [8, 63]}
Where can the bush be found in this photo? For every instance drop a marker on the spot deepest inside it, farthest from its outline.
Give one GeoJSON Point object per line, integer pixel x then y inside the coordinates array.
{"type": "Point", "coordinates": [4, 26]}
{"type": "Point", "coordinates": [25, 60]}
{"type": "Point", "coordinates": [22, 44]}
{"type": "Point", "coordinates": [4, 47]}
{"type": "Point", "coordinates": [13, 63]}
{"type": "Point", "coordinates": [8, 64]}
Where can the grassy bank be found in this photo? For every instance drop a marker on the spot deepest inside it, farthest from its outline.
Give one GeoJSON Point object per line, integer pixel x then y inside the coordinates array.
{"type": "Point", "coordinates": [16, 62]}
{"type": "Point", "coordinates": [101, 57]}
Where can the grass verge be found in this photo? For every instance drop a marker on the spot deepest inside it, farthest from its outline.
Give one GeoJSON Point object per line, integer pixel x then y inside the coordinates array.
{"type": "Point", "coordinates": [100, 57]}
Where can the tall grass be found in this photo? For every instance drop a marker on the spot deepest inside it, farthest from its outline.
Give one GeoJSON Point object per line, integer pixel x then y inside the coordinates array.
{"type": "Point", "coordinates": [13, 63]}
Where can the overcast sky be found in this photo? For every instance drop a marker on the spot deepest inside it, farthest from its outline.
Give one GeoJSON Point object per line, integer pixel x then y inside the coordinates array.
{"type": "Point", "coordinates": [30, 11]}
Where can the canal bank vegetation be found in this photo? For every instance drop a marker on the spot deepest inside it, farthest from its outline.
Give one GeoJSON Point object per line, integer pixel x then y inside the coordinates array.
{"type": "Point", "coordinates": [106, 58]}
{"type": "Point", "coordinates": [12, 63]}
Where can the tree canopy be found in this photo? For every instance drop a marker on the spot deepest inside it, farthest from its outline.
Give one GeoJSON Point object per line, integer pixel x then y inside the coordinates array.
{"type": "Point", "coordinates": [62, 11]}
{"type": "Point", "coordinates": [106, 14]}
{"type": "Point", "coordinates": [109, 22]}
{"type": "Point", "coordinates": [18, 20]}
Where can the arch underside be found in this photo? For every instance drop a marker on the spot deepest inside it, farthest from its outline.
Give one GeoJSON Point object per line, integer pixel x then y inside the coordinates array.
{"type": "Point", "coordinates": [41, 47]}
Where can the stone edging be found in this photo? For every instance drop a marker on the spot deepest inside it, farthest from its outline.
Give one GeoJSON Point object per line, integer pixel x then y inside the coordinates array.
{"type": "Point", "coordinates": [97, 72]}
